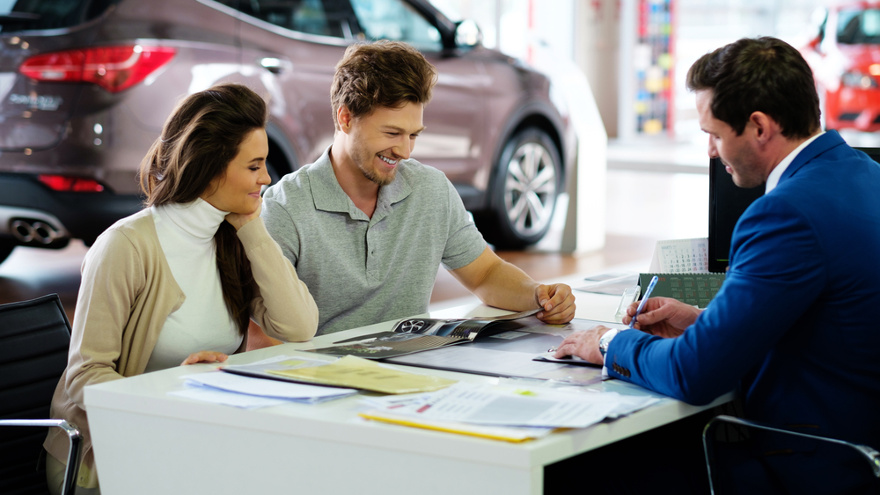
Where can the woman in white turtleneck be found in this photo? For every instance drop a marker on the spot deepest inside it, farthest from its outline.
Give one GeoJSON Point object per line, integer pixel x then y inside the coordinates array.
{"type": "Point", "coordinates": [178, 282]}
{"type": "Point", "coordinates": [186, 234]}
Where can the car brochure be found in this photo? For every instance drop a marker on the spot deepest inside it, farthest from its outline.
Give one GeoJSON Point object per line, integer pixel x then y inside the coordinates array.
{"type": "Point", "coordinates": [412, 335]}
{"type": "Point", "coordinates": [514, 354]}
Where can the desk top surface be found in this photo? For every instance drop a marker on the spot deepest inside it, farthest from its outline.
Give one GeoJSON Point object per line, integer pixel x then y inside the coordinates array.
{"type": "Point", "coordinates": [147, 394]}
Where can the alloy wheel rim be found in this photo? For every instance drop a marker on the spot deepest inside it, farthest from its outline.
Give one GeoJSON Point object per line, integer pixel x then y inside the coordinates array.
{"type": "Point", "coordinates": [530, 189]}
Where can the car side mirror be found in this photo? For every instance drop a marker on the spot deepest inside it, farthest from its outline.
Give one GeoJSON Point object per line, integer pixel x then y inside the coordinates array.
{"type": "Point", "coordinates": [467, 34]}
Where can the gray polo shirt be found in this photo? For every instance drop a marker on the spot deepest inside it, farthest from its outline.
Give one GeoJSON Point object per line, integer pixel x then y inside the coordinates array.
{"type": "Point", "coordinates": [364, 270]}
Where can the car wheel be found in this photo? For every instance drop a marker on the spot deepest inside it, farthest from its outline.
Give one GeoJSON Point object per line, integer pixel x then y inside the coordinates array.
{"type": "Point", "coordinates": [523, 191]}
{"type": "Point", "coordinates": [6, 248]}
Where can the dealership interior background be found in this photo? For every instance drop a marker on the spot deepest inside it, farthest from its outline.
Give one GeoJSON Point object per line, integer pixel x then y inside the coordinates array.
{"type": "Point", "coordinates": [642, 176]}
{"type": "Point", "coordinates": [654, 183]}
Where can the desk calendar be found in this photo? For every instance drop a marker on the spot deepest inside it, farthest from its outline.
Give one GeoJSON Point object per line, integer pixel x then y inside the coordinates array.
{"type": "Point", "coordinates": [683, 269]}
{"type": "Point", "coordinates": [681, 256]}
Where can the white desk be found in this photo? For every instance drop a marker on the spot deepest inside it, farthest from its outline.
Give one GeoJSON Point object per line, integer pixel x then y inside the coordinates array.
{"type": "Point", "coordinates": [149, 442]}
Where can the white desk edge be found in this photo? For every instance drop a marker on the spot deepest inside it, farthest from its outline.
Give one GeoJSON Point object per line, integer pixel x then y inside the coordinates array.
{"type": "Point", "coordinates": [149, 442]}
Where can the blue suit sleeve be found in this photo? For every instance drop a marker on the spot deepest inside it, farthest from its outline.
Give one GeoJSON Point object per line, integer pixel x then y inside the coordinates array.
{"type": "Point", "coordinates": [776, 272]}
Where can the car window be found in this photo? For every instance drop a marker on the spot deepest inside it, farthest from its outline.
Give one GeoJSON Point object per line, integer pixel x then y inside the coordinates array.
{"type": "Point", "coordinates": [318, 17]}
{"type": "Point", "coordinates": [859, 27]}
{"type": "Point", "coordinates": [25, 15]}
{"type": "Point", "coordinates": [396, 20]}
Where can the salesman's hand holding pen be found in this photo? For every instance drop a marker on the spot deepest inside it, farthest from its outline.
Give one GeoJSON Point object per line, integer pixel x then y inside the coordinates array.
{"type": "Point", "coordinates": [644, 300]}
{"type": "Point", "coordinates": [661, 316]}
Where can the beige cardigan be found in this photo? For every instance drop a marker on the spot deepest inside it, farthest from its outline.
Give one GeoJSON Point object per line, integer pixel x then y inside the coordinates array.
{"type": "Point", "coordinates": [126, 294]}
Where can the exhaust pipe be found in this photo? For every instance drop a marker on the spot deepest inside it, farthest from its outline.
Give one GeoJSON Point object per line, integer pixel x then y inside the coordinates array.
{"type": "Point", "coordinates": [34, 231]}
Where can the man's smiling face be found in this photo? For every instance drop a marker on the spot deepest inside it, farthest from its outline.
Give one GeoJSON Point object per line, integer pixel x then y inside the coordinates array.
{"type": "Point", "coordinates": [379, 140]}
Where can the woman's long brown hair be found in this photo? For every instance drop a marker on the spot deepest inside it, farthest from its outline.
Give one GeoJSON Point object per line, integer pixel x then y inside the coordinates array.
{"type": "Point", "coordinates": [197, 143]}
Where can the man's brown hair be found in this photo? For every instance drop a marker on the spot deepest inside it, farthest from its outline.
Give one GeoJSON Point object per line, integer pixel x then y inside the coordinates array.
{"type": "Point", "coordinates": [759, 75]}
{"type": "Point", "coordinates": [380, 74]}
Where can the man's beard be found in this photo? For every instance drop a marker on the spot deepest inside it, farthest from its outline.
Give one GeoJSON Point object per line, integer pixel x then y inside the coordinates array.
{"type": "Point", "coordinates": [375, 178]}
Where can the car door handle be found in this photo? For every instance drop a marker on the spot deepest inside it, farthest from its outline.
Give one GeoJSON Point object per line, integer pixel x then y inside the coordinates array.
{"type": "Point", "coordinates": [275, 65]}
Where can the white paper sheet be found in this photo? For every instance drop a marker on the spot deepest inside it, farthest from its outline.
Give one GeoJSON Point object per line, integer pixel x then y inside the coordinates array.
{"type": "Point", "coordinates": [535, 406]}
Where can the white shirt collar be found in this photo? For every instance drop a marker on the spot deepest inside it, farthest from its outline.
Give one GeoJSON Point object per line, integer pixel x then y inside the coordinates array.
{"type": "Point", "coordinates": [776, 173]}
{"type": "Point", "coordinates": [199, 218]}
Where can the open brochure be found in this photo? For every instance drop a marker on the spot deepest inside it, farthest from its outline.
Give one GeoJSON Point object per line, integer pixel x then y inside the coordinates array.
{"type": "Point", "coordinates": [420, 334]}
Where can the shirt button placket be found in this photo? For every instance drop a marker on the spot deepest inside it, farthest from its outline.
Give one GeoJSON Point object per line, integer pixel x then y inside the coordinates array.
{"type": "Point", "coordinates": [372, 259]}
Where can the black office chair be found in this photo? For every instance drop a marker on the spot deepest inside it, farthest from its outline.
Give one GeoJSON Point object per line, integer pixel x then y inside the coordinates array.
{"type": "Point", "coordinates": [871, 456]}
{"type": "Point", "coordinates": [34, 339]}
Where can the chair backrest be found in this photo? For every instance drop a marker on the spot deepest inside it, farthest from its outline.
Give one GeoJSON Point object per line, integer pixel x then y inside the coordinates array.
{"type": "Point", "coordinates": [34, 339]}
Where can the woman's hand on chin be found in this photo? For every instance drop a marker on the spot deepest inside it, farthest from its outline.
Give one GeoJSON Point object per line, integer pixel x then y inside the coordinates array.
{"type": "Point", "coordinates": [238, 220]}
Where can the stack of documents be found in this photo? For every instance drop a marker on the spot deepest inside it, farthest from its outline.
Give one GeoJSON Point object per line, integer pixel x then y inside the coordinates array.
{"type": "Point", "coordinates": [352, 371]}
{"type": "Point", "coordinates": [248, 392]}
{"type": "Point", "coordinates": [349, 371]}
{"type": "Point", "coordinates": [520, 413]}
{"type": "Point", "coordinates": [283, 379]}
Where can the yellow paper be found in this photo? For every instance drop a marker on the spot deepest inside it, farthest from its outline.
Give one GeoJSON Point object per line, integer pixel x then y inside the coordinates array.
{"type": "Point", "coordinates": [355, 372]}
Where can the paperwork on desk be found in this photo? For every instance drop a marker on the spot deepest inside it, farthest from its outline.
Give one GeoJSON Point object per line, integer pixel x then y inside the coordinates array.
{"type": "Point", "coordinates": [349, 371]}
{"type": "Point", "coordinates": [283, 379]}
{"type": "Point", "coordinates": [248, 392]}
{"type": "Point", "coordinates": [463, 407]}
{"type": "Point", "coordinates": [352, 371]}
{"type": "Point", "coordinates": [609, 283]}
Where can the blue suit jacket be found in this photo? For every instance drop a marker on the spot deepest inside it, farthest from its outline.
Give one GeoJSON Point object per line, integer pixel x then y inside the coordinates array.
{"type": "Point", "coordinates": [795, 328]}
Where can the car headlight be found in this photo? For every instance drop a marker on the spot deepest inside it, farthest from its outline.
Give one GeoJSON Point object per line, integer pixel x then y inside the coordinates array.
{"type": "Point", "coordinates": [857, 79]}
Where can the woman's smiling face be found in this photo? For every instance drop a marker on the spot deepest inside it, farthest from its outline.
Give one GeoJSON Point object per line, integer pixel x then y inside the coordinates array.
{"type": "Point", "coordinates": [237, 189]}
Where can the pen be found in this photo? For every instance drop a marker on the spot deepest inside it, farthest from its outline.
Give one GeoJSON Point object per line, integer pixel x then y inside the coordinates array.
{"type": "Point", "coordinates": [644, 300]}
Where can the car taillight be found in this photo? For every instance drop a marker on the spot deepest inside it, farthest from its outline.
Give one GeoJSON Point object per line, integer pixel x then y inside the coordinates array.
{"type": "Point", "coordinates": [70, 184]}
{"type": "Point", "coordinates": [114, 68]}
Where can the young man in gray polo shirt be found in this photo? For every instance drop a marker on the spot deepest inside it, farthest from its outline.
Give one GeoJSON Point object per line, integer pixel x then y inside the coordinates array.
{"type": "Point", "coordinates": [367, 227]}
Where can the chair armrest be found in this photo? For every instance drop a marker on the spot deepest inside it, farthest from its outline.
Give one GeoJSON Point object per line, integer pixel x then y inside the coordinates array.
{"type": "Point", "coordinates": [73, 434]}
{"type": "Point", "coordinates": [871, 455]}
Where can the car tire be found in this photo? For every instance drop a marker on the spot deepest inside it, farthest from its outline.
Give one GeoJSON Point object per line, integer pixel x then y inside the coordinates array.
{"type": "Point", "coordinates": [6, 248]}
{"type": "Point", "coordinates": [523, 192]}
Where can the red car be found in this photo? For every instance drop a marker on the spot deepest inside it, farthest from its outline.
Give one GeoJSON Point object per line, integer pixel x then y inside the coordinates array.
{"type": "Point", "coordinates": [845, 58]}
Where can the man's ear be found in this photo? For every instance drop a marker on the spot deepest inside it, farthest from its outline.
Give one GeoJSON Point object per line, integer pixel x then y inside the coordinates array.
{"type": "Point", "coordinates": [343, 118]}
{"type": "Point", "coordinates": [763, 126]}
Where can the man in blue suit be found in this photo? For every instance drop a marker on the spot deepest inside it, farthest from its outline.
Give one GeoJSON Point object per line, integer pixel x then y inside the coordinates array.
{"type": "Point", "coordinates": [793, 329]}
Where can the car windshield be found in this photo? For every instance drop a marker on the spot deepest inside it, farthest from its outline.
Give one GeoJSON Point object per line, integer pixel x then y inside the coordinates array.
{"type": "Point", "coordinates": [28, 15]}
{"type": "Point", "coordinates": [859, 27]}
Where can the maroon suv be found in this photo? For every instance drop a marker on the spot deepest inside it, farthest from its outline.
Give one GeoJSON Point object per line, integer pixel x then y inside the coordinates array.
{"type": "Point", "coordinates": [85, 86]}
